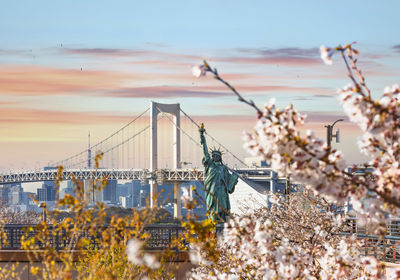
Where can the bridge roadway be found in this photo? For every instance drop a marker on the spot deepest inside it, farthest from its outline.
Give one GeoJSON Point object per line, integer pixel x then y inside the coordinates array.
{"type": "Point", "coordinates": [144, 175]}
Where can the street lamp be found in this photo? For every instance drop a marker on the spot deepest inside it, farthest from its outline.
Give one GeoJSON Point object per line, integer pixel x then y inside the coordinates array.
{"type": "Point", "coordinates": [329, 135]}
{"type": "Point", "coordinates": [287, 186]}
{"type": "Point", "coordinates": [43, 205]}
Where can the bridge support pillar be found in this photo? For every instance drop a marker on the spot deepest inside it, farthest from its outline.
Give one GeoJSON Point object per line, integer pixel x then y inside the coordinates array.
{"type": "Point", "coordinates": [272, 182]}
{"type": "Point", "coordinates": [153, 194]}
{"type": "Point", "coordinates": [177, 201]}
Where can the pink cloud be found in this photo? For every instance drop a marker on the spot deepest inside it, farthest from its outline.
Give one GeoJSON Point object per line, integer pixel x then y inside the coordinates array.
{"type": "Point", "coordinates": [164, 92]}
{"type": "Point", "coordinates": [40, 80]}
{"type": "Point", "coordinates": [28, 116]}
{"type": "Point", "coordinates": [28, 80]}
{"type": "Point", "coordinates": [292, 61]}
{"type": "Point", "coordinates": [292, 56]}
{"type": "Point", "coordinates": [273, 88]}
{"type": "Point", "coordinates": [324, 117]}
{"type": "Point", "coordinates": [285, 56]}
{"type": "Point", "coordinates": [127, 53]}
{"type": "Point", "coordinates": [112, 52]}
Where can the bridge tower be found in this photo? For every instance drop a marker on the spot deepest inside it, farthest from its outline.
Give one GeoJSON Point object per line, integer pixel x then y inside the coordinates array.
{"type": "Point", "coordinates": [174, 110]}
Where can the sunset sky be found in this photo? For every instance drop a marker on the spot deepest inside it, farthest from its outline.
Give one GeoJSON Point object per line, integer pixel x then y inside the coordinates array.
{"type": "Point", "coordinates": [67, 67]}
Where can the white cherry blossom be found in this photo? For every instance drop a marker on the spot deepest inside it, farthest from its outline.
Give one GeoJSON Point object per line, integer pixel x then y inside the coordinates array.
{"type": "Point", "coordinates": [199, 71]}
{"type": "Point", "coordinates": [133, 251]}
{"type": "Point", "coordinates": [186, 198]}
{"type": "Point", "coordinates": [326, 54]}
{"type": "Point", "coordinates": [136, 256]}
{"type": "Point", "coordinates": [260, 244]}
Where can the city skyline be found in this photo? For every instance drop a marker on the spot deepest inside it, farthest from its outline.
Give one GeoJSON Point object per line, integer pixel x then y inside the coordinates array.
{"type": "Point", "coordinates": [68, 68]}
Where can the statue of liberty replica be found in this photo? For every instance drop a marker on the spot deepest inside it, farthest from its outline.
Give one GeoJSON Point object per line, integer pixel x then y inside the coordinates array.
{"type": "Point", "coordinates": [219, 182]}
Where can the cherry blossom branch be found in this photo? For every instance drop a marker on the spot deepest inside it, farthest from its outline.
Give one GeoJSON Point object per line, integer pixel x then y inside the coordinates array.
{"type": "Point", "coordinates": [358, 71]}
{"type": "Point", "coordinates": [287, 244]}
{"type": "Point", "coordinates": [275, 137]}
{"type": "Point", "coordinates": [203, 69]}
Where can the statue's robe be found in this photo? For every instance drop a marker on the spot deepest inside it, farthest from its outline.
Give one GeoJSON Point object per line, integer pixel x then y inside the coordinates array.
{"type": "Point", "coordinates": [219, 184]}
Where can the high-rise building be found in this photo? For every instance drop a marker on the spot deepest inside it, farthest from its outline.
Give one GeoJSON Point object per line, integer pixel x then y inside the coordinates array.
{"type": "Point", "coordinates": [16, 197]}
{"type": "Point", "coordinates": [143, 195]}
{"type": "Point", "coordinates": [50, 186]}
{"type": "Point", "coordinates": [123, 189]}
{"type": "Point", "coordinates": [93, 191]}
{"type": "Point", "coordinates": [51, 190]}
{"type": "Point", "coordinates": [66, 187]}
{"type": "Point", "coordinates": [27, 198]}
{"type": "Point", "coordinates": [41, 194]}
{"type": "Point", "coordinates": [126, 201]}
{"type": "Point", "coordinates": [5, 190]}
{"type": "Point", "coordinates": [134, 191]}
{"type": "Point", "coordinates": [130, 191]}
{"type": "Point", "coordinates": [110, 192]}
{"type": "Point", "coordinates": [15, 194]}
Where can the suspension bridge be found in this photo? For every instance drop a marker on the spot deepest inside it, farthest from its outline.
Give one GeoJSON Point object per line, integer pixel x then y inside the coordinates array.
{"type": "Point", "coordinates": [159, 145]}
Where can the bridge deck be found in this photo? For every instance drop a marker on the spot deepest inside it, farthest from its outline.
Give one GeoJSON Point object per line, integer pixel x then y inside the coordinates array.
{"type": "Point", "coordinates": [162, 175]}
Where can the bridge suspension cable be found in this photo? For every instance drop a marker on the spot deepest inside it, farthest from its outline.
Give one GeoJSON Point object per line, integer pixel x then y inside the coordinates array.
{"type": "Point", "coordinates": [121, 129]}
{"type": "Point", "coordinates": [131, 141]}
{"type": "Point", "coordinates": [196, 142]}
{"type": "Point", "coordinates": [116, 146]}
{"type": "Point", "coordinates": [82, 157]}
{"type": "Point", "coordinates": [215, 140]}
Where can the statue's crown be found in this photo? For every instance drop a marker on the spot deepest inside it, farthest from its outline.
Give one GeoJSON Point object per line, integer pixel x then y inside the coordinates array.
{"type": "Point", "coordinates": [216, 151]}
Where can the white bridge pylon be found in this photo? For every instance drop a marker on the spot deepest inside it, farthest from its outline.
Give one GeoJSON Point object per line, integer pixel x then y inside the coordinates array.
{"type": "Point", "coordinates": [174, 110]}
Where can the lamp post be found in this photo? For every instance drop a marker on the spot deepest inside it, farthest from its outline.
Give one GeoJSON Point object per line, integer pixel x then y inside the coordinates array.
{"type": "Point", "coordinates": [329, 135]}
{"type": "Point", "coordinates": [287, 186]}
{"type": "Point", "coordinates": [43, 205]}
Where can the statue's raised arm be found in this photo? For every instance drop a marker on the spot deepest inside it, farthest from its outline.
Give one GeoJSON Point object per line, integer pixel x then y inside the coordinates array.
{"type": "Point", "coordinates": [203, 142]}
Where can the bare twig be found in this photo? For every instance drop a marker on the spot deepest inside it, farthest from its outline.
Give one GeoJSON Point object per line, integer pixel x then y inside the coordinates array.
{"type": "Point", "coordinates": [232, 88]}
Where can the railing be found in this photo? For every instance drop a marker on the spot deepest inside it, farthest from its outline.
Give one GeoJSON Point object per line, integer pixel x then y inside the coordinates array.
{"type": "Point", "coordinates": [386, 248]}
{"type": "Point", "coordinates": [160, 236]}
{"type": "Point", "coordinates": [392, 228]}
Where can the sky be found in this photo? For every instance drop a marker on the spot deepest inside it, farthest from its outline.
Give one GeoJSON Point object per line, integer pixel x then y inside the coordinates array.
{"type": "Point", "coordinates": [69, 67]}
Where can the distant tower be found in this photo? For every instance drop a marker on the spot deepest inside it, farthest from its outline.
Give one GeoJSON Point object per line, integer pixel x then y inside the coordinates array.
{"type": "Point", "coordinates": [89, 153]}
